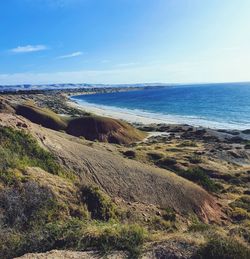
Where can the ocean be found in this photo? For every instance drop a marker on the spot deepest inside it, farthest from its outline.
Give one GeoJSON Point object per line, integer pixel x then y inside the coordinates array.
{"type": "Point", "coordinates": [224, 106]}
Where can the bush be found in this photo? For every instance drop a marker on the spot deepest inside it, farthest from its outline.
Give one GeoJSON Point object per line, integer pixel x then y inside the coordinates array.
{"type": "Point", "coordinates": [169, 214]}
{"type": "Point", "coordinates": [20, 204]}
{"type": "Point", "coordinates": [159, 223]}
{"type": "Point", "coordinates": [76, 235]}
{"type": "Point", "coordinates": [243, 202]}
{"type": "Point", "coordinates": [11, 243]}
{"type": "Point", "coordinates": [223, 248]}
{"type": "Point", "coordinates": [239, 214]}
{"type": "Point", "coordinates": [21, 149]}
{"type": "Point", "coordinates": [155, 155]}
{"type": "Point", "coordinates": [99, 204]}
{"type": "Point", "coordinates": [200, 177]}
{"type": "Point", "coordinates": [195, 159]}
{"type": "Point", "coordinates": [167, 163]}
{"type": "Point", "coordinates": [129, 153]}
{"type": "Point", "coordinates": [187, 143]}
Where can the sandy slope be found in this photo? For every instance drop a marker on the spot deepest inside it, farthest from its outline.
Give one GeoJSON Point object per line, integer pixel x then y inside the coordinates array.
{"type": "Point", "coordinates": [121, 177]}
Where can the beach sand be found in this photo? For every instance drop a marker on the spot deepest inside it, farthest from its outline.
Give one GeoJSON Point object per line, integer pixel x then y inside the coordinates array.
{"type": "Point", "coordinates": [121, 114]}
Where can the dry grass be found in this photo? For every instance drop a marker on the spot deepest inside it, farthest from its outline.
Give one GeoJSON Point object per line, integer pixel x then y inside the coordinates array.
{"type": "Point", "coordinates": [104, 129]}
{"type": "Point", "coordinates": [41, 116]}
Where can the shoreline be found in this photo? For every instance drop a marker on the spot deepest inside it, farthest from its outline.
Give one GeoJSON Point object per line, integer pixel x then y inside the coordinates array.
{"type": "Point", "coordinates": [146, 118]}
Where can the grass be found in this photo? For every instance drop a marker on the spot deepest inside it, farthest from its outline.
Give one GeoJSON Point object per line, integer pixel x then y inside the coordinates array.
{"type": "Point", "coordinates": [242, 202]}
{"type": "Point", "coordinates": [187, 143]}
{"type": "Point", "coordinates": [240, 214]}
{"type": "Point", "coordinates": [195, 159]}
{"type": "Point", "coordinates": [169, 214]}
{"type": "Point", "coordinates": [19, 149]}
{"type": "Point", "coordinates": [75, 234]}
{"type": "Point", "coordinates": [198, 226]}
{"type": "Point", "coordinates": [198, 176]}
{"type": "Point", "coordinates": [222, 248]}
{"type": "Point", "coordinates": [155, 156]}
{"type": "Point", "coordinates": [89, 126]}
{"type": "Point", "coordinates": [159, 223]}
{"type": "Point", "coordinates": [129, 153]}
{"type": "Point", "coordinates": [104, 129]}
{"type": "Point", "coordinates": [99, 204]}
{"type": "Point", "coordinates": [33, 220]}
{"type": "Point", "coordinates": [42, 116]}
{"type": "Point", "coordinates": [167, 163]}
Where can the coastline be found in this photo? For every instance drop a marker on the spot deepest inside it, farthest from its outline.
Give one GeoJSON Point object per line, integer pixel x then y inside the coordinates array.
{"type": "Point", "coordinates": [146, 118]}
{"type": "Point", "coordinates": [120, 114]}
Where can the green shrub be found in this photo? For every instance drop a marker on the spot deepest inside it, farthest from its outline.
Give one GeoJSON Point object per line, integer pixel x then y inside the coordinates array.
{"type": "Point", "coordinates": [167, 163]}
{"type": "Point", "coordinates": [187, 143]}
{"type": "Point", "coordinates": [99, 204]}
{"type": "Point", "coordinates": [200, 177]}
{"type": "Point", "coordinates": [76, 235]}
{"type": "Point", "coordinates": [11, 243]}
{"type": "Point", "coordinates": [129, 153]}
{"type": "Point", "coordinates": [21, 204]}
{"type": "Point", "coordinates": [155, 155]}
{"type": "Point", "coordinates": [158, 223]}
{"type": "Point", "coordinates": [11, 177]}
{"type": "Point", "coordinates": [20, 149]}
{"type": "Point", "coordinates": [240, 214]}
{"type": "Point", "coordinates": [243, 202]}
{"type": "Point", "coordinates": [223, 248]}
{"type": "Point", "coordinates": [242, 231]}
{"type": "Point", "coordinates": [169, 214]}
{"type": "Point", "coordinates": [195, 159]}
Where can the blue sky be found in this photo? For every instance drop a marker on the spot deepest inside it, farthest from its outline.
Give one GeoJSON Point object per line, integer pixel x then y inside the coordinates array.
{"type": "Point", "coordinates": [124, 41]}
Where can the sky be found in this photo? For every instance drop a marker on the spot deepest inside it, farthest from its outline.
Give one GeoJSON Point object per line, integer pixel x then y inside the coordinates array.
{"type": "Point", "coordinates": [124, 41]}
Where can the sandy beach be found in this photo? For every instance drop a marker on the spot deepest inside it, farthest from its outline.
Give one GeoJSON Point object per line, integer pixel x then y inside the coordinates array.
{"type": "Point", "coordinates": [122, 114]}
{"type": "Point", "coordinates": [146, 118]}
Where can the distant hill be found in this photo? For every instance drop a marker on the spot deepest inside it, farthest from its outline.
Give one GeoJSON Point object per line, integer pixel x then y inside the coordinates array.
{"type": "Point", "coordinates": [44, 117]}
{"type": "Point", "coordinates": [104, 129]}
{"type": "Point", "coordinates": [90, 127]}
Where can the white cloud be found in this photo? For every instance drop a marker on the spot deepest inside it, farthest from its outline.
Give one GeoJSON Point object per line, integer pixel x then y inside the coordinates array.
{"type": "Point", "coordinates": [72, 55]}
{"type": "Point", "coordinates": [181, 72]}
{"type": "Point", "coordinates": [28, 48]}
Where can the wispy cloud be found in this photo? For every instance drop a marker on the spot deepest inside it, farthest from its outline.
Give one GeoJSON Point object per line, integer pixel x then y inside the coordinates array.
{"type": "Point", "coordinates": [180, 72]}
{"type": "Point", "coordinates": [28, 48]}
{"type": "Point", "coordinates": [129, 64]}
{"type": "Point", "coordinates": [71, 55]}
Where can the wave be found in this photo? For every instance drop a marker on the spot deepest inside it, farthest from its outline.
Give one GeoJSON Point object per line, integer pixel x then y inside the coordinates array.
{"type": "Point", "coordinates": [145, 117]}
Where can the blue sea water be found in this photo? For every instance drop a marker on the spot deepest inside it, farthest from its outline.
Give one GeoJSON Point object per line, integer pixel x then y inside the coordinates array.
{"type": "Point", "coordinates": [211, 105]}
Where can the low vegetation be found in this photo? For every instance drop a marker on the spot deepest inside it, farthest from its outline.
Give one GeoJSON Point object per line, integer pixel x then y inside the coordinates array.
{"type": "Point", "coordinates": [222, 248]}
{"type": "Point", "coordinates": [39, 215]}
{"type": "Point", "coordinates": [32, 219]}
{"type": "Point", "coordinates": [18, 149]}
{"type": "Point", "coordinates": [74, 234]}
{"type": "Point", "coordinates": [104, 129]}
{"type": "Point", "coordinates": [99, 204]}
{"type": "Point", "coordinates": [42, 116]}
{"type": "Point", "coordinates": [91, 127]}
{"type": "Point", "coordinates": [198, 176]}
